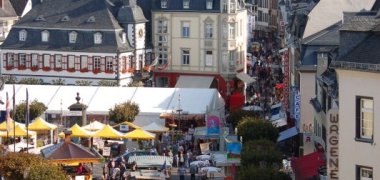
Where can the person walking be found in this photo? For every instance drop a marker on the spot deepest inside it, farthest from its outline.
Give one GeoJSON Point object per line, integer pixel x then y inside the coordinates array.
{"type": "Point", "coordinates": [193, 171]}
{"type": "Point", "coordinates": [181, 172]}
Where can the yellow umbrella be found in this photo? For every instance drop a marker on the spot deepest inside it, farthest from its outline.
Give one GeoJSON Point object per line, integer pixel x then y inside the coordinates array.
{"type": "Point", "coordinates": [3, 125]}
{"type": "Point", "coordinates": [108, 132]}
{"type": "Point", "coordinates": [40, 124]}
{"type": "Point", "coordinates": [129, 124]}
{"type": "Point", "coordinates": [19, 131]}
{"type": "Point", "coordinates": [77, 131]}
{"type": "Point", "coordinates": [139, 134]}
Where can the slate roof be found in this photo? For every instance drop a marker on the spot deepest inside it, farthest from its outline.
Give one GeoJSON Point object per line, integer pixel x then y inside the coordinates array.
{"type": "Point", "coordinates": [195, 5]}
{"type": "Point", "coordinates": [64, 150]}
{"type": "Point", "coordinates": [131, 13]}
{"type": "Point", "coordinates": [19, 6]}
{"type": "Point", "coordinates": [328, 36]}
{"type": "Point", "coordinates": [359, 21]}
{"type": "Point", "coordinates": [365, 52]}
{"type": "Point", "coordinates": [78, 11]}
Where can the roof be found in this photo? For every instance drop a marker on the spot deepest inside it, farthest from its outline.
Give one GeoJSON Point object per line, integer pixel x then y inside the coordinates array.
{"type": "Point", "coordinates": [195, 5]}
{"type": "Point", "coordinates": [365, 51]}
{"type": "Point", "coordinates": [327, 13]}
{"type": "Point", "coordinates": [68, 151]}
{"type": "Point", "coordinates": [328, 36]}
{"type": "Point", "coordinates": [131, 13]}
{"type": "Point", "coordinates": [78, 13]}
{"type": "Point", "coordinates": [359, 21]}
{"type": "Point", "coordinates": [8, 10]}
{"type": "Point", "coordinates": [85, 17]}
{"type": "Point", "coordinates": [19, 6]}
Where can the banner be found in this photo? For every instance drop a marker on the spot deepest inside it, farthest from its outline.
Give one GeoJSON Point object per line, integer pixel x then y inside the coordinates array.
{"type": "Point", "coordinates": [213, 125]}
{"type": "Point", "coordinates": [233, 150]}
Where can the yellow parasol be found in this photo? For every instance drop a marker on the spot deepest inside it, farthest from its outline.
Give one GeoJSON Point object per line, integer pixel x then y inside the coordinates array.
{"type": "Point", "coordinates": [139, 134]}
{"type": "Point", "coordinates": [129, 124]}
{"type": "Point", "coordinates": [108, 132]}
{"type": "Point", "coordinates": [40, 124]}
{"type": "Point", "coordinates": [3, 125]}
{"type": "Point", "coordinates": [77, 131]}
{"type": "Point", "coordinates": [19, 131]}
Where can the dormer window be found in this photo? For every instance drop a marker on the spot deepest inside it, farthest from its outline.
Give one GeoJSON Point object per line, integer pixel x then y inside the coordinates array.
{"type": "Point", "coordinates": [91, 19]}
{"type": "Point", "coordinates": [124, 37]}
{"type": "Point", "coordinates": [65, 18]}
{"type": "Point", "coordinates": [40, 18]}
{"type": "Point", "coordinates": [209, 4]}
{"type": "Point", "coordinates": [22, 35]}
{"type": "Point", "coordinates": [164, 4]}
{"type": "Point", "coordinates": [45, 36]}
{"type": "Point", "coordinates": [73, 37]}
{"type": "Point", "coordinates": [98, 38]}
{"type": "Point", "coordinates": [186, 4]}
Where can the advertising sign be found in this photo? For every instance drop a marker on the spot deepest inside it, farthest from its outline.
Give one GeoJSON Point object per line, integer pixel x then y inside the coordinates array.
{"type": "Point", "coordinates": [213, 125]}
{"type": "Point", "coordinates": [106, 151]}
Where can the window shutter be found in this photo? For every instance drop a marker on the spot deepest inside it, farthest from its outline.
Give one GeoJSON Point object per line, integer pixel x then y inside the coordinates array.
{"type": "Point", "coordinates": [102, 64]}
{"type": "Point", "coordinates": [64, 62]}
{"type": "Point", "coordinates": [15, 62]}
{"type": "Point", "coordinates": [77, 63]}
{"type": "Point", "coordinates": [5, 59]}
{"type": "Point", "coordinates": [40, 60]}
{"type": "Point", "coordinates": [28, 60]}
{"type": "Point", "coordinates": [52, 62]}
{"type": "Point", "coordinates": [90, 63]}
{"type": "Point", "coordinates": [357, 117]}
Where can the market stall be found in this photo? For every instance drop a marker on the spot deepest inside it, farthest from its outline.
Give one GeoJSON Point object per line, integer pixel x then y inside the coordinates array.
{"type": "Point", "coordinates": [42, 127]}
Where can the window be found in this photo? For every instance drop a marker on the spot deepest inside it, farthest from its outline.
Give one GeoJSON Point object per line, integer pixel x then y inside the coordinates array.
{"type": "Point", "coordinates": [162, 26]}
{"type": "Point", "coordinates": [98, 38]}
{"type": "Point", "coordinates": [209, 4]}
{"type": "Point", "coordinates": [364, 173]}
{"type": "Point", "coordinates": [162, 82]}
{"type": "Point", "coordinates": [71, 62]}
{"type": "Point", "coordinates": [124, 37]}
{"type": "Point", "coordinates": [186, 4]}
{"type": "Point", "coordinates": [58, 61]}
{"type": "Point", "coordinates": [164, 3]}
{"type": "Point", "coordinates": [233, 7]}
{"type": "Point", "coordinates": [22, 35]}
{"type": "Point", "coordinates": [83, 62]}
{"type": "Point", "coordinates": [162, 55]}
{"type": "Point", "coordinates": [231, 34]}
{"type": "Point", "coordinates": [73, 37]}
{"type": "Point", "coordinates": [45, 36]}
{"type": "Point", "coordinates": [185, 57]}
{"type": "Point", "coordinates": [34, 60]}
{"type": "Point", "coordinates": [96, 63]}
{"type": "Point", "coordinates": [10, 59]}
{"type": "Point", "coordinates": [22, 60]}
{"type": "Point", "coordinates": [364, 114]}
{"type": "Point", "coordinates": [46, 60]}
{"type": "Point", "coordinates": [185, 29]}
{"type": "Point", "coordinates": [162, 38]}
{"type": "Point", "coordinates": [225, 6]}
{"type": "Point", "coordinates": [109, 64]}
{"type": "Point", "coordinates": [208, 29]}
{"type": "Point", "coordinates": [208, 59]}
{"type": "Point", "coordinates": [232, 58]}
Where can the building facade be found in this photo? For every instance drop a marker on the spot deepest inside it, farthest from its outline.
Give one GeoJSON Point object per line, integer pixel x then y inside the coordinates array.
{"type": "Point", "coordinates": [89, 41]}
{"type": "Point", "coordinates": [201, 38]}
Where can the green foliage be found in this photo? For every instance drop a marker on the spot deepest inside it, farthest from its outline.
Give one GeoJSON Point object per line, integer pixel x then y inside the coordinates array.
{"type": "Point", "coordinates": [262, 173]}
{"type": "Point", "coordinates": [35, 109]}
{"type": "Point", "coordinates": [260, 152]}
{"type": "Point", "coordinates": [10, 80]}
{"type": "Point", "coordinates": [58, 81]}
{"type": "Point", "coordinates": [46, 170]}
{"type": "Point", "coordinates": [30, 81]}
{"type": "Point", "coordinates": [107, 83]}
{"type": "Point", "coordinates": [135, 83]}
{"type": "Point", "coordinates": [124, 112]}
{"type": "Point", "coordinates": [20, 166]}
{"type": "Point", "coordinates": [253, 128]}
{"type": "Point", "coordinates": [237, 115]}
{"type": "Point", "coordinates": [83, 83]}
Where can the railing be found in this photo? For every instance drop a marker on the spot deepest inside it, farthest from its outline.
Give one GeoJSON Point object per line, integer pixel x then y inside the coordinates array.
{"type": "Point", "coordinates": [355, 66]}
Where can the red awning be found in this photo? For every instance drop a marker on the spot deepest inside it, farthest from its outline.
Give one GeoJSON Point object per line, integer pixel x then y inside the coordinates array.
{"type": "Point", "coordinates": [307, 166]}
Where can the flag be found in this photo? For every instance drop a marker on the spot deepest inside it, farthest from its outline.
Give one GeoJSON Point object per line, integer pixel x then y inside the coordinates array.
{"type": "Point", "coordinates": [27, 108]}
{"type": "Point", "coordinates": [7, 113]}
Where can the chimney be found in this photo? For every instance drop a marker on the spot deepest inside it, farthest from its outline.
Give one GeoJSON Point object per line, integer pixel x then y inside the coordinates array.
{"type": "Point", "coordinates": [68, 136]}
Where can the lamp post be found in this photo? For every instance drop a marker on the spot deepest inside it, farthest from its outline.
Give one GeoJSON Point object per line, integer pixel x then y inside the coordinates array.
{"type": "Point", "coordinates": [179, 110]}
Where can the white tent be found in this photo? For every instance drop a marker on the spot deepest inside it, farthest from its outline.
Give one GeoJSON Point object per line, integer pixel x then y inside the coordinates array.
{"type": "Point", "coordinates": [154, 127]}
{"type": "Point", "coordinates": [93, 126]}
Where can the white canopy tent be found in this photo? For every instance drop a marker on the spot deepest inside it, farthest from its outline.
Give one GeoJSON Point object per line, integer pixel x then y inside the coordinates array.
{"type": "Point", "coordinates": [152, 101]}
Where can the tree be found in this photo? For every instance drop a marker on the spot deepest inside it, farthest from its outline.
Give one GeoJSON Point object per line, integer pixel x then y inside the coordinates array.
{"type": "Point", "coordinates": [254, 128]}
{"type": "Point", "coordinates": [124, 112]}
{"type": "Point", "coordinates": [260, 153]}
{"type": "Point", "coordinates": [22, 166]}
{"type": "Point", "coordinates": [262, 173]}
{"type": "Point", "coordinates": [30, 81]}
{"type": "Point", "coordinates": [237, 115]}
{"type": "Point", "coordinates": [35, 110]}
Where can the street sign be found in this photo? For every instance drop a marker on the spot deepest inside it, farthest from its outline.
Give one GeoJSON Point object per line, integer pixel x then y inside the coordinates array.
{"type": "Point", "coordinates": [106, 151]}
